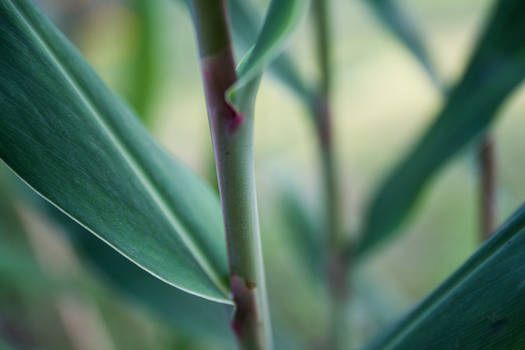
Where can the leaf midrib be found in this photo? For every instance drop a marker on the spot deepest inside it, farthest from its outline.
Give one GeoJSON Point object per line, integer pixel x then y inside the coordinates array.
{"type": "Point", "coordinates": [136, 168]}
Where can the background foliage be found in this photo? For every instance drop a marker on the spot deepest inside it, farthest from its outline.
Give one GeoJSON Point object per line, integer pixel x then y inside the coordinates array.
{"type": "Point", "coordinates": [383, 102]}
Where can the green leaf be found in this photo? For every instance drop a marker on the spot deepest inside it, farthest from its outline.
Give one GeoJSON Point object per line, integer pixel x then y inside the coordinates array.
{"type": "Point", "coordinates": [481, 306]}
{"type": "Point", "coordinates": [496, 68]}
{"type": "Point", "coordinates": [281, 20]}
{"type": "Point", "coordinates": [81, 148]}
{"type": "Point", "coordinates": [245, 27]}
{"type": "Point", "coordinates": [399, 21]}
{"type": "Point", "coordinates": [188, 314]}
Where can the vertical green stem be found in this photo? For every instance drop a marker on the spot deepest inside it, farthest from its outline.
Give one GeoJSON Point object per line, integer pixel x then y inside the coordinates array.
{"type": "Point", "coordinates": [487, 187]}
{"type": "Point", "coordinates": [337, 262]}
{"type": "Point", "coordinates": [232, 136]}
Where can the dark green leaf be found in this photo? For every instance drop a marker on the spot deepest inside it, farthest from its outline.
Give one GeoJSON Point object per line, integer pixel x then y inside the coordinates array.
{"type": "Point", "coordinates": [81, 148]}
{"type": "Point", "coordinates": [481, 306]}
{"type": "Point", "coordinates": [496, 68]}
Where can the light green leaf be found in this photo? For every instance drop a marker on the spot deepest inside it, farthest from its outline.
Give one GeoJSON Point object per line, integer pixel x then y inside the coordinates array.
{"type": "Point", "coordinates": [481, 306]}
{"type": "Point", "coordinates": [281, 20]}
{"type": "Point", "coordinates": [245, 27]}
{"type": "Point", "coordinates": [398, 20]}
{"type": "Point", "coordinates": [497, 67]}
{"type": "Point", "coordinates": [81, 148]}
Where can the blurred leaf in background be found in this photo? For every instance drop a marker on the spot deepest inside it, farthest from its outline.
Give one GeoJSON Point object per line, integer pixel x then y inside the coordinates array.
{"type": "Point", "coordinates": [176, 114]}
{"type": "Point", "coordinates": [496, 69]}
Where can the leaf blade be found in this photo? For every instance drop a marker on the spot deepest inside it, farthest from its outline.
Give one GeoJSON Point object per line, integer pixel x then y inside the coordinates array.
{"type": "Point", "coordinates": [81, 148]}
{"type": "Point", "coordinates": [496, 68]}
{"type": "Point", "coordinates": [281, 20]}
{"type": "Point", "coordinates": [189, 315]}
{"type": "Point", "coordinates": [467, 310]}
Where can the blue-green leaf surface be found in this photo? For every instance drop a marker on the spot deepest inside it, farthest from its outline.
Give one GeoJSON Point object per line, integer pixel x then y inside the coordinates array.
{"type": "Point", "coordinates": [77, 144]}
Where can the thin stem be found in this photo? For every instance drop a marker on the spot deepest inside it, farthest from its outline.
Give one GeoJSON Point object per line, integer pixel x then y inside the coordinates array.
{"type": "Point", "coordinates": [232, 136]}
{"type": "Point", "coordinates": [323, 118]}
{"type": "Point", "coordinates": [337, 262]}
{"type": "Point", "coordinates": [487, 187]}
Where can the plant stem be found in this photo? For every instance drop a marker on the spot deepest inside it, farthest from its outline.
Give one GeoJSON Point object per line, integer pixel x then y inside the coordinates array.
{"type": "Point", "coordinates": [487, 187]}
{"type": "Point", "coordinates": [337, 261]}
{"type": "Point", "coordinates": [232, 136]}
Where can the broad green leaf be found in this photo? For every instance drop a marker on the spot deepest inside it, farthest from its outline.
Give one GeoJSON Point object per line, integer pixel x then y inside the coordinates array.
{"type": "Point", "coordinates": [192, 316]}
{"type": "Point", "coordinates": [481, 306]}
{"type": "Point", "coordinates": [398, 20]}
{"type": "Point", "coordinates": [281, 20]}
{"type": "Point", "coordinates": [496, 68]}
{"type": "Point", "coordinates": [78, 145]}
{"type": "Point", "coordinates": [188, 314]}
{"type": "Point", "coordinates": [245, 27]}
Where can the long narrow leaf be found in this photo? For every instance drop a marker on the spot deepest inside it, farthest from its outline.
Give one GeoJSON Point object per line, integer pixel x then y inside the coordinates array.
{"type": "Point", "coordinates": [19, 270]}
{"type": "Point", "coordinates": [281, 20]}
{"type": "Point", "coordinates": [80, 147]}
{"type": "Point", "coordinates": [481, 306]}
{"type": "Point", "coordinates": [245, 28]}
{"type": "Point", "coordinates": [497, 67]}
{"type": "Point", "coordinates": [192, 316]}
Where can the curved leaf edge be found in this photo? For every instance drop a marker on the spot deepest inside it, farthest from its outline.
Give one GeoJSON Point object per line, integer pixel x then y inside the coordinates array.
{"type": "Point", "coordinates": [62, 210]}
{"type": "Point", "coordinates": [512, 227]}
{"type": "Point", "coordinates": [45, 46]}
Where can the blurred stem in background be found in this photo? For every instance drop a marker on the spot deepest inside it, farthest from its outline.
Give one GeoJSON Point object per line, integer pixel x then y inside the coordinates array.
{"type": "Point", "coordinates": [336, 261]}
{"type": "Point", "coordinates": [397, 19]}
{"type": "Point", "coordinates": [232, 136]}
{"type": "Point", "coordinates": [487, 174]}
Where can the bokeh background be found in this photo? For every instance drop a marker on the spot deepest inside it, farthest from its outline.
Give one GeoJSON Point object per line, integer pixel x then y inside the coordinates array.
{"type": "Point", "coordinates": [145, 50]}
